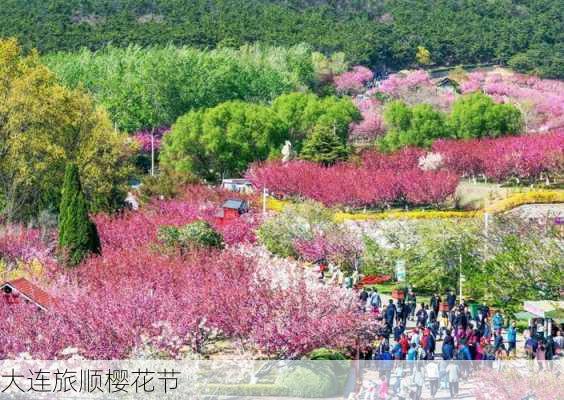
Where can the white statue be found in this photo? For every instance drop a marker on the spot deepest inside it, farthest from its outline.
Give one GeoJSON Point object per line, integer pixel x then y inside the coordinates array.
{"type": "Point", "coordinates": [287, 152]}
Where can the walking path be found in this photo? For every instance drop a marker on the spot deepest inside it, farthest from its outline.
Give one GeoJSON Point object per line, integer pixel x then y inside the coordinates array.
{"type": "Point", "coordinates": [438, 346]}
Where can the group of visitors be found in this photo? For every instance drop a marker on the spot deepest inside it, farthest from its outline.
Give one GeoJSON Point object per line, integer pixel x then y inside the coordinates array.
{"type": "Point", "coordinates": [481, 335]}
{"type": "Point", "coordinates": [475, 333]}
{"type": "Point", "coordinates": [403, 381]}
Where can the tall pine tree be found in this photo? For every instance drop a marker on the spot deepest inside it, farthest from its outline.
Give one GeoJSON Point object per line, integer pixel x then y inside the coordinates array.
{"type": "Point", "coordinates": [324, 146]}
{"type": "Point", "coordinates": [78, 236]}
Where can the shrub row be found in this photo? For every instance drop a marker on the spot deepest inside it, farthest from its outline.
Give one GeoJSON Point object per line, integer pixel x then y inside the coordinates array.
{"type": "Point", "coordinates": [352, 186]}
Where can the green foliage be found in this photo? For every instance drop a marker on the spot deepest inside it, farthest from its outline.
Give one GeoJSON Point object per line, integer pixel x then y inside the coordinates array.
{"type": "Point", "coordinates": [43, 126]}
{"type": "Point", "coordinates": [144, 88]}
{"type": "Point", "coordinates": [416, 126]}
{"type": "Point", "coordinates": [369, 32]}
{"type": "Point", "coordinates": [443, 252]}
{"type": "Point", "coordinates": [78, 236]}
{"type": "Point", "coordinates": [544, 60]}
{"type": "Point", "coordinates": [327, 67]}
{"type": "Point", "coordinates": [295, 222]}
{"type": "Point", "coordinates": [513, 261]}
{"type": "Point", "coordinates": [398, 115]}
{"type": "Point", "coordinates": [305, 381]}
{"type": "Point", "coordinates": [166, 184]}
{"type": "Point", "coordinates": [223, 140]}
{"type": "Point", "coordinates": [477, 115]}
{"type": "Point", "coordinates": [326, 354]}
{"type": "Point", "coordinates": [525, 266]}
{"type": "Point", "coordinates": [199, 234]}
{"type": "Point", "coordinates": [374, 258]}
{"type": "Point", "coordinates": [473, 116]}
{"type": "Point", "coordinates": [423, 56]}
{"type": "Point", "coordinates": [302, 112]}
{"type": "Point", "coordinates": [324, 146]}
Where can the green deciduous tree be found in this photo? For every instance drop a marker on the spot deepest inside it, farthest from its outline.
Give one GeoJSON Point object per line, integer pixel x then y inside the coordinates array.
{"type": "Point", "coordinates": [78, 236]}
{"type": "Point", "coordinates": [42, 127]}
{"type": "Point", "coordinates": [223, 140]}
{"type": "Point", "coordinates": [512, 261]}
{"type": "Point", "coordinates": [295, 222]}
{"type": "Point", "coordinates": [416, 126]}
{"type": "Point", "coordinates": [301, 112]}
{"type": "Point", "coordinates": [423, 56]}
{"type": "Point", "coordinates": [477, 115]}
{"type": "Point", "coordinates": [143, 88]}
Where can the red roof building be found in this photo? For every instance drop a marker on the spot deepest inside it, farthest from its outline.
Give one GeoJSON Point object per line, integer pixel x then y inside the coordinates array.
{"type": "Point", "coordinates": [231, 210]}
{"type": "Point", "coordinates": [21, 289]}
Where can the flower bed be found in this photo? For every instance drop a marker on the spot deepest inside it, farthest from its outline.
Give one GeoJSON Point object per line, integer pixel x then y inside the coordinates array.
{"type": "Point", "coordinates": [374, 280]}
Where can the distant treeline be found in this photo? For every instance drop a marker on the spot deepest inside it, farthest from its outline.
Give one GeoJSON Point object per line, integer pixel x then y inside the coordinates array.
{"type": "Point", "coordinates": [526, 34]}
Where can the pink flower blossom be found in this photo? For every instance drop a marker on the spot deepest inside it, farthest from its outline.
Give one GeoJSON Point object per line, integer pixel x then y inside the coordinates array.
{"type": "Point", "coordinates": [375, 183]}
{"type": "Point", "coordinates": [353, 81]}
{"type": "Point", "coordinates": [397, 83]}
{"type": "Point", "coordinates": [146, 139]}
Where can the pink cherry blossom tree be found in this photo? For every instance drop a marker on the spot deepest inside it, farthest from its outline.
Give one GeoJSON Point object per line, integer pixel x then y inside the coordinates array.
{"type": "Point", "coordinates": [354, 81]}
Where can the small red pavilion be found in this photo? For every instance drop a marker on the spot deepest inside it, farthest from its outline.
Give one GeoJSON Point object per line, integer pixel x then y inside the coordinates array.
{"type": "Point", "coordinates": [231, 210]}
{"type": "Point", "coordinates": [22, 290]}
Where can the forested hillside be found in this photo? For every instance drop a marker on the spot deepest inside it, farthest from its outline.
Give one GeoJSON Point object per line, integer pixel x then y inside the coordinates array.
{"type": "Point", "coordinates": [527, 34]}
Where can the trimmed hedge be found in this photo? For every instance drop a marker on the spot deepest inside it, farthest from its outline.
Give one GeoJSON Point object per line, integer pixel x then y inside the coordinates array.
{"type": "Point", "coordinates": [300, 381]}
{"type": "Point", "coordinates": [533, 197]}
{"type": "Point", "coordinates": [513, 201]}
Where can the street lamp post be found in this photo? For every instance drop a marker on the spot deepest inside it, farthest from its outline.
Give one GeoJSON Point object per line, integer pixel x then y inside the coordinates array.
{"type": "Point", "coordinates": [153, 152]}
{"type": "Point", "coordinates": [460, 275]}
{"type": "Point", "coordinates": [264, 200]}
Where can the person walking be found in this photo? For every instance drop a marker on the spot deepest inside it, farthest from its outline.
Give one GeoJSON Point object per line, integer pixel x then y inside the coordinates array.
{"type": "Point", "coordinates": [376, 301]}
{"type": "Point", "coordinates": [443, 324]}
{"type": "Point", "coordinates": [531, 345]}
{"type": "Point", "coordinates": [448, 346]}
{"type": "Point", "coordinates": [405, 386]}
{"type": "Point", "coordinates": [451, 300]}
{"type": "Point", "coordinates": [550, 348]}
{"type": "Point", "coordinates": [422, 316]}
{"type": "Point", "coordinates": [418, 382]}
{"type": "Point", "coordinates": [390, 313]}
{"type": "Point", "coordinates": [453, 372]}
{"type": "Point", "coordinates": [412, 303]}
{"type": "Point", "coordinates": [559, 343]}
{"type": "Point", "coordinates": [435, 303]}
{"type": "Point", "coordinates": [512, 339]}
{"type": "Point", "coordinates": [362, 298]}
{"type": "Point", "coordinates": [404, 313]}
{"type": "Point", "coordinates": [498, 342]}
{"type": "Point", "coordinates": [404, 343]}
{"type": "Point", "coordinates": [399, 311]}
{"type": "Point", "coordinates": [398, 330]}
{"type": "Point", "coordinates": [432, 371]}
{"type": "Point", "coordinates": [497, 321]}
{"type": "Point", "coordinates": [412, 353]}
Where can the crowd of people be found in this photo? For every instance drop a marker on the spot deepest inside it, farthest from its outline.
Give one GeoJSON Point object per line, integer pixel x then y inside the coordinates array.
{"type": "Point", "coordinates": [481, 335]}
{"type": "Point", "coordinates": [464, 333]}
{"type": "Point", "coordinates": [403, 381]}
